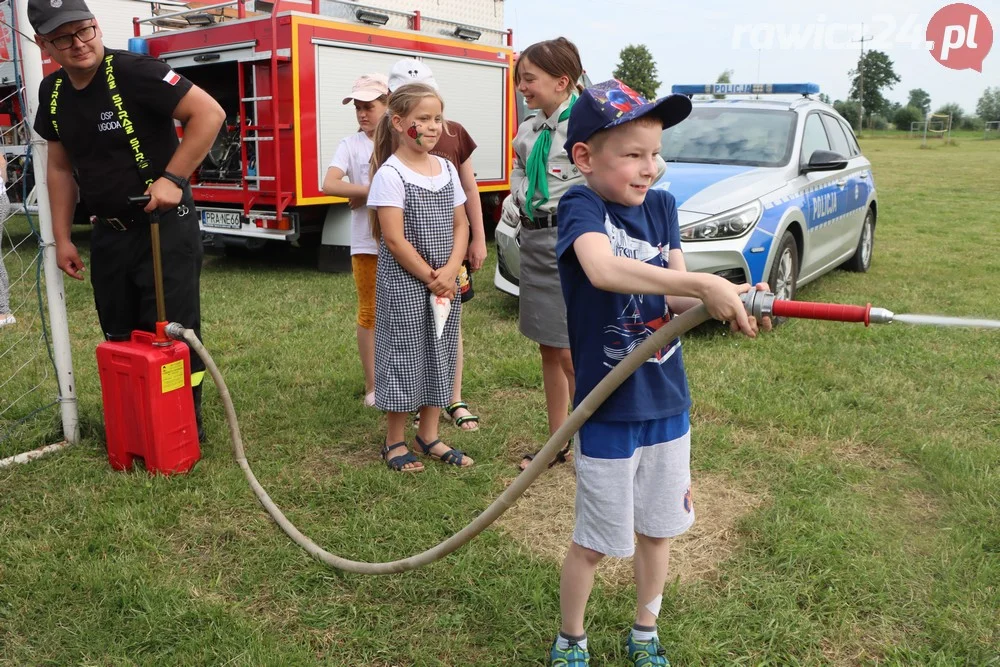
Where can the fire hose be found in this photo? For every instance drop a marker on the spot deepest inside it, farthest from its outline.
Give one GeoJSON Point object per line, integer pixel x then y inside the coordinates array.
{"type": "Point", "coordinates": [758, 305]}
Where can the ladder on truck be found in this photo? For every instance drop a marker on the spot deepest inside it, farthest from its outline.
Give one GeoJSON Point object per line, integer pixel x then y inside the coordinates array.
{"type": "Point", "coordinates": [252, 128]}
{"type": "Point", "coordinates": [254, 131]}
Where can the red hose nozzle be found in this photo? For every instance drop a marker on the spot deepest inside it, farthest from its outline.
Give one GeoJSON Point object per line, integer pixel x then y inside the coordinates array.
{"type": "Point", "coordinates": [763, 304]}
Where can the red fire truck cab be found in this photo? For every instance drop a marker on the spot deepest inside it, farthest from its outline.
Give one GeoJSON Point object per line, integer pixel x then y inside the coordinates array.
{"type": "Point", "coordinates": [281, 76]}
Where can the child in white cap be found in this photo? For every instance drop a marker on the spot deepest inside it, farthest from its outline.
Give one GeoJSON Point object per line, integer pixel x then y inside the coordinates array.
{"type": "Point", "coordinates": [369, 95]}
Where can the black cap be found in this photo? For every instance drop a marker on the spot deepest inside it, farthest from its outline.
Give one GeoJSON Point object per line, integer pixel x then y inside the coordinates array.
{"type": "Point", "coordinates": [46, 16]}
{"type": "Point", "coordinates": [611, 103]}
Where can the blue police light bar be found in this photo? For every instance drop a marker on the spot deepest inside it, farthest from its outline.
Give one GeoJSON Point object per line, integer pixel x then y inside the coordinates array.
{"type": "Point", "coordinates": [748, 89]}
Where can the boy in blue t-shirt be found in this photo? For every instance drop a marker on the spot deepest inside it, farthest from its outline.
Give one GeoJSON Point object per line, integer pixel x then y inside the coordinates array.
{"type": "Point", "coordinates": [619, 253]}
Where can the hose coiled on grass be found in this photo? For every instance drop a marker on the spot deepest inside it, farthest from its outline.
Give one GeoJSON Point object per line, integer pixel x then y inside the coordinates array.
{"type": "Point", "coordinates": [673, 329]}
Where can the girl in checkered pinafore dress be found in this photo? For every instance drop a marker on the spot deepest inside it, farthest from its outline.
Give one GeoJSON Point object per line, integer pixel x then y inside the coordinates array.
{"type": "Point", "coordinates": [419, 217]}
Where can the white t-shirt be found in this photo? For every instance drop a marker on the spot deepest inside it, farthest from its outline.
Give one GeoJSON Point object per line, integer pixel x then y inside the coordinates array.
{"type": "Point", "coordinates": [352, 158]}
{"type": "Point", "coordinates": [387, 188]}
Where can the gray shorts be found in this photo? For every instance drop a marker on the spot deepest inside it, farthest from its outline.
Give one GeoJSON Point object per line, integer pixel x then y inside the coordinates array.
{"type": "Point", "coordinates": [648, 492]}
{"type": "Point", "coordinates": [541, 306]}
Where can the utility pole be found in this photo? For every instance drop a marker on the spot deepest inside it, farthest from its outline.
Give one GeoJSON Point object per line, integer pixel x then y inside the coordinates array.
{"type": "Point", "coordinates": [758, 72]}
{"type": "Point", "coordinates": [861, 73]}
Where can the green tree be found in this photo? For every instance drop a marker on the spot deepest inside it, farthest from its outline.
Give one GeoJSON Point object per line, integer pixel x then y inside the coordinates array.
{"type": "Point", "coordinates": [920, 99]}
{"type": "Point", "coordinates": [906, 116]}
{"type": "Point", "coordinates": [879, 75]}
{"type": "Point", "coordinates": [824, 98]}
{"type": "Point", "coordinates": [988, 106]}
{"type": "Point", "coordinates": [955, 111]}
{"type": "Point", "coordinates": [850, 110]}
{"type": "Point", "coordinates": [973, 123]}
{"type": "Point", "coordinates": [725, 77]}
{"type": "Point", "coordinates": [637, 69]}
{"type": "Point", "coordinates": [878, 123]}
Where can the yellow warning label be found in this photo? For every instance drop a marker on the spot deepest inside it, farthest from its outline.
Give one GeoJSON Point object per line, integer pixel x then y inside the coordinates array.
{"type": "Point", "coordinates": [173, 375]}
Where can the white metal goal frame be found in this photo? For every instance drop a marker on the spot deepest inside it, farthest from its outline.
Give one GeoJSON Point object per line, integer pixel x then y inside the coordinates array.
{"type": "Point", "coordinates": [944, 132]}
{"type": "Point", "coordinates": [917, 127]}
{"type": "Point", "coordinates": [48, 279]}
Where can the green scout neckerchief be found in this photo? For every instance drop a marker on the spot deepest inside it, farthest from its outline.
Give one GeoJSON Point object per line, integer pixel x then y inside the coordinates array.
{"type": "Point", "coordinates": [538, 162]}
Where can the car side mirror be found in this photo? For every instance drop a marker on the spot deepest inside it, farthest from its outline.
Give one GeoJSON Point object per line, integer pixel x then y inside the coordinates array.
{"type": "Point", "coordinates": [825, 161]}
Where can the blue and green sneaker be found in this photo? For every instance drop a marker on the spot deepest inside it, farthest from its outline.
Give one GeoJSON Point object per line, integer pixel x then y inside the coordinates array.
{"type": "Point", "coordinates": [574, 656]}
{"type": "Point", "coordinates": [646, 654]}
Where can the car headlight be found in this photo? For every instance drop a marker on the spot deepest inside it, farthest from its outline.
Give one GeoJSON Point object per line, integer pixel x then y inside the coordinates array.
{"type": "Point", "coordinates": [726, 225]}
{"type": "Point", "coordinates": [510, 214]}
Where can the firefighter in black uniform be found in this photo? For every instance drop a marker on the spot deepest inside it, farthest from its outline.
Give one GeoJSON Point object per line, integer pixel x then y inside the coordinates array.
{"type": "Point", "coordinates": [108, 117]}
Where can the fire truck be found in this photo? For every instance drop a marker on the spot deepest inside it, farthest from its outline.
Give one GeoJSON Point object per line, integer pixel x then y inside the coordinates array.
{"type": "Point", "coordinates": [281, 71]}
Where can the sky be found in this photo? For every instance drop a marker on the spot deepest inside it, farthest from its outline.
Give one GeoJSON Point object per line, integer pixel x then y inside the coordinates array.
{"type": "Point", "coordinates": [789, 41]}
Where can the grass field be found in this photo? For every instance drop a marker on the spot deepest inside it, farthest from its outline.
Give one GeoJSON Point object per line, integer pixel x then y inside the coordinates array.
{"type": "Point", "coordinates": [847, 482]}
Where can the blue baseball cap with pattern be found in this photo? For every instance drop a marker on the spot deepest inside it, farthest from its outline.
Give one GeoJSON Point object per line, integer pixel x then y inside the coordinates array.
{"type": "Point", "coordinates": [611, 103]}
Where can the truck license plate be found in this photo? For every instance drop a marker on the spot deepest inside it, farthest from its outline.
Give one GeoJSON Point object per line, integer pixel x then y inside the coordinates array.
{"type": "Point", "coordinates": [221, 219]}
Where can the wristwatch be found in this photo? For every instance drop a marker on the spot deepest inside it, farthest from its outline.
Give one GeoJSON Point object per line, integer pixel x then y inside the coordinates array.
{"type": "Point", "coordinates": [176, 180]}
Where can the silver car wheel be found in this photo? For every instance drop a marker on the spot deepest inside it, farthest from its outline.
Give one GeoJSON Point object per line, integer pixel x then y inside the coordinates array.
{"type": "Point", "coordinates": [786, 276]}
{"type": "Point", "coordinates": [867, 239]}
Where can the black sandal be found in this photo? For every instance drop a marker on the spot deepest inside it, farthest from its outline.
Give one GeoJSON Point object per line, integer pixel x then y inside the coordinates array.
{"type": "Point", "coordinates": [452, 456]}
{"type": "Point", "coordinates": [467, 419]}
{"type": "Point", "coordinates": [396, 463]}
{"type": "Point", "coordinates": [562, 456]}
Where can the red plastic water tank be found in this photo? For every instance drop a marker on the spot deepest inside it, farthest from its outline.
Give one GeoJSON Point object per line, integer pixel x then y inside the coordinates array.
{"type": "Point", "coordinates": [148, 407]}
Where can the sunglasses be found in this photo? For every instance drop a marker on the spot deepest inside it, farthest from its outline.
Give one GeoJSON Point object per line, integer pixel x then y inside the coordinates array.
{"type": "Point", "coordinates": [63, 42]}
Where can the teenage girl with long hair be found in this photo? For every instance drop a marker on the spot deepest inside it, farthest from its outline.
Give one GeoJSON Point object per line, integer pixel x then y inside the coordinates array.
{"type": "Point", "coordinates": [547, 75]}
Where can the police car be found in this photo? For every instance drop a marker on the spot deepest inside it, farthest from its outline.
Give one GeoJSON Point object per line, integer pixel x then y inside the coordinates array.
{"type": "Point", "coordinates": [766, 190]}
